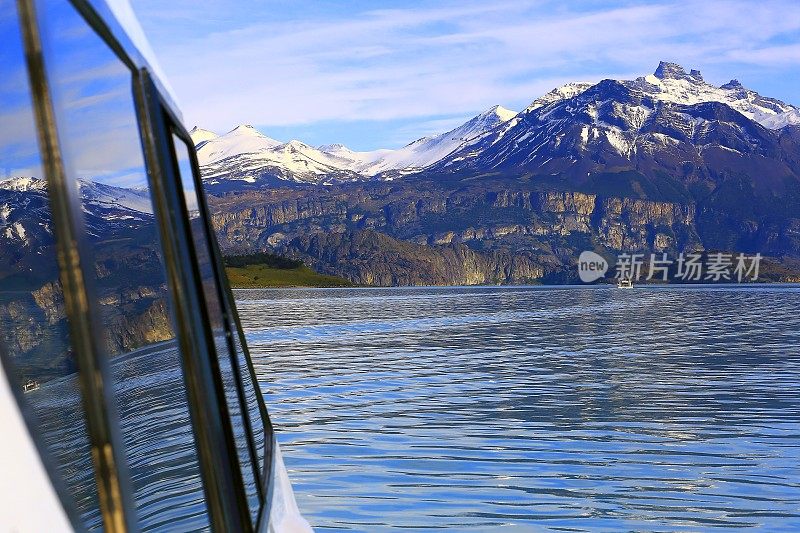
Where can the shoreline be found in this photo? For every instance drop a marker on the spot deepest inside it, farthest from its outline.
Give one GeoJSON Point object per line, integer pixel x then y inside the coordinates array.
{"type": "Point", "coordinates": [771, 284]}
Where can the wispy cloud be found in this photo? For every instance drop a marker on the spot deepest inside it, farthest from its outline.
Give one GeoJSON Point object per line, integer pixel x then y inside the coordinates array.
{"type": "Point", "coordinates": [263, 66]}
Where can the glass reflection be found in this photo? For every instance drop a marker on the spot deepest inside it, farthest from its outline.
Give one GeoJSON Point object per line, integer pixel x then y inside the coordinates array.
{"type": "Point", "coordinates": [251, 399]}
{"type": "Point", "coordinates": [33, 325]}
{"type": "Point", "coordinates": [211, 293]}
{"type": "Point", "coordinates": [100, 143]}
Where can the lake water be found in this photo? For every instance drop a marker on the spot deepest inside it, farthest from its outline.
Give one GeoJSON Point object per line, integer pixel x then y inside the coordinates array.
{"type": "Point", "coordinates": [522, 409]}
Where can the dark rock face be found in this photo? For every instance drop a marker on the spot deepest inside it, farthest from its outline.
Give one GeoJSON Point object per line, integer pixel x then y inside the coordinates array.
{"type": "Point", "coordinates": [422, 233]}
{"type": "Point", "coordinates": [372, 258]}
{"type": "Point", "coordinates": [666, 70]}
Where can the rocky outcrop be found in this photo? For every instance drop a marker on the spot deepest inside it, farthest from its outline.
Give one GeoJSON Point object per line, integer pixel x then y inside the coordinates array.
{"type": "Point", "coordinates": [372, 258]}
{"type": "Point", "coordinates": [496, 233]}
{"type": "Point", "coordinates": [440, 217]}
{"type": "Point", "coordinates": [50, 299]}
{"type": "Point", "coordinates": [132, 327]}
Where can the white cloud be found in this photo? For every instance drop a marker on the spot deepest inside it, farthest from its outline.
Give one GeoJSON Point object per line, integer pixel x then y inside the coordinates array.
{"type": "Point", "coordinates": [450, 61]}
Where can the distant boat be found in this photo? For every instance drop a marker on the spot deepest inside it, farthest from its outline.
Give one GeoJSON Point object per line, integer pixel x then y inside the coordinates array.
{"type": "Point", "coordinates": [30, 386]}
{"type": "Point", "coordinates": [625, 283]}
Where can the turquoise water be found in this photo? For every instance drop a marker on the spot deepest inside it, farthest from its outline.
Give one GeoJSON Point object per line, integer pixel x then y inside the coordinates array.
{"type": "Point", "coordinates": [524, 409]}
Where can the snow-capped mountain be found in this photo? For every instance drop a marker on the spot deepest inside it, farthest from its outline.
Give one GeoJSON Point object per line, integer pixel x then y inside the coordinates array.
{"type": "Point", "coordinates": [199, 135]}
{"type": "Point", "coordinates": [669, 122]}
{"type": "Point", "coordinates": [558, 94]}
{"type": "Point", "coordinates": [25, 211]}
{"type": "Point", "coordinates": [428, 150]}
{"type": "Point", "coordinates": [356, 161]}
{"type": "Point", "coordinates": [23, 184]}
{"type": "Point", "coordinates": [252, 159]}
{"type": "Point", "coordinates": [671, 83]}
{"type": "Point", "coordinates": [245, 158]}
{"type": "Point", "coordinates": [114, 202]}
{"type": "Point", "coordinates": [629, 117]}
{"type": "Point", "coordinates": [244, 139]}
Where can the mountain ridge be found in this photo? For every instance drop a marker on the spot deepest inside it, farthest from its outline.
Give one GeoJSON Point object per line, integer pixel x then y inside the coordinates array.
{"type": "Point", "coordinates": [664, 163]}
{"type": "Point", "coordinates": [261, 161]}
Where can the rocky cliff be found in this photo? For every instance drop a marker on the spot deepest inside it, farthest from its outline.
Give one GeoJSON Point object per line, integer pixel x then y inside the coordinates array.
{"type": "Point", "coordinates": [425, 233]}
{"type": "Point", "coordinates": [371, 258]}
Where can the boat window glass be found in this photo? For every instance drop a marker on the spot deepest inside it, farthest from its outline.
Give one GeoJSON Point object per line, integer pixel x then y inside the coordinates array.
{"type": "Point", "coordinates": [251, 399]}
{"type": "Point", "coordinates": [211, 292]}
{"type": "Point", "coordinates": [102, 151]}
{"type": "Point", "coordinates": [33, 325]}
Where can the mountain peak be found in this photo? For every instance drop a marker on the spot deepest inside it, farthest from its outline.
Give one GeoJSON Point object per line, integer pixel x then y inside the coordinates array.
{"type": "Point", "coordinates": [245, 129]}
{"type": "Point", "coordinates": [199, 135]}
{"type": "Point", "coordinates": [335, 147]}
{"type": "Point", "coordinates": [733, 84]}
{"type": "Point", "coordinates": [295, 145]}
{"type": "Point", "coordinates": [674, 71]}
{"type": "Point", "coordinates": [500, 112]}
{"type": "Point", "coordinates": [23, 184]}
{"type": "Point", "coordinates": [477, 125]}
{"type": "Point", "coordinates": [564, 92]}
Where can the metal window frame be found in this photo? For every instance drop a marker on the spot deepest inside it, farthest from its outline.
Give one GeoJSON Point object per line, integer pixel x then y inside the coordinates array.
{"type": "Point", "coordinates": [102, 421]}
{"type": "Point", "coordinates": [232, 325]}
{"type": "Point", "coordinates": [269, 433]}
{"type": "Point", "coordinates": [217, 452]}
{"type": "Point", "coordinates": [234, 328]}
{"type": "Point", "coordinates": [202, 204]}
{"type": "Point", "coordinates": [224, 489]}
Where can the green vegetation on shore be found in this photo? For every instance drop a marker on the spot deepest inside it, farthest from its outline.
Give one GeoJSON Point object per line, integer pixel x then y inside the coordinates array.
{"type": "Point", "coordinates": [264, 270]}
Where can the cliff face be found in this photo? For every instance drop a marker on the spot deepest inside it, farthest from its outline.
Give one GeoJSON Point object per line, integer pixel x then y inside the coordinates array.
{"type": "Point", "coordinates": [131, 290]}
{"type": "Point", "coordinates": [35, 330]}
{"type": "Point", "coordinates": [371, 258]}
{"type": "Point", "coordinates": [425, 233]}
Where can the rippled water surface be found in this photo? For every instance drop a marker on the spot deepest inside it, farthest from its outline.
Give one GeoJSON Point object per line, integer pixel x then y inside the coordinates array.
{"type": "Point", "coordinates": [519, 409]}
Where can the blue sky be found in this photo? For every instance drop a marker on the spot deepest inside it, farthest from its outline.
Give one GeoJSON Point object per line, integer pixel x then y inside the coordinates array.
{"type": "Point", "coordinates": [379, 74]}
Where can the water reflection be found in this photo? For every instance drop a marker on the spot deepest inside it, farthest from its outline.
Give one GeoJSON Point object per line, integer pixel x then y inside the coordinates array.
{"type": "Point", "coordinates": [100, 142]}
{"type": "Point", "coordinates": [33, 326]}
{"type": "Point", "coordinates": [511, 409]}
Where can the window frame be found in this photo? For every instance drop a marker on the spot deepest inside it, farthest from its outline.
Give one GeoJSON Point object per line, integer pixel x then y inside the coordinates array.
{"type": "Point", "coordinates": [234, 327]}
{"type": "Point", "coordinates": [94, 374]}
{"type": "Point", "coordinates": [230, 316]}
{"type": "Point", "coordinates": [211, 423]}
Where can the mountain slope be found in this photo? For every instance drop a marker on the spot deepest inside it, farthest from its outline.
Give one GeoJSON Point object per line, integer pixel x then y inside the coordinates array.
{"type": "Point", "coordinates": [244, 139]}
{"type": "Point", "coordinates": [199, 135]}
{"type": "Point", "coordinates": [665, 163]}
{"type": "Point", "coordinates": [245, 159]}
{"type": "Point", "coordinates": [669, 130]}
{"type": "Point", "coordinates": [428, 150]}
{"type": "Point", "coordinates": [25, 221]}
